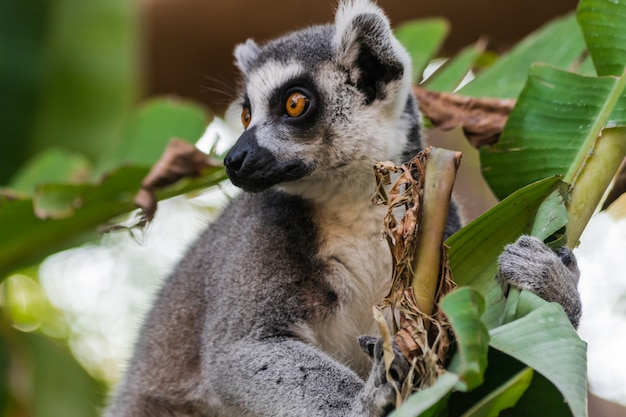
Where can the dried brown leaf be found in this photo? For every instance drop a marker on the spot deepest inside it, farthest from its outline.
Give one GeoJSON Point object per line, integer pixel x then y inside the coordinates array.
{"type": "Point", "coordinates": [179, 160]}
{"type": "Point", "coordinates": [388, 353]}
{"type": "Point", "coordinates": [482, 119]}
{"type": "Point", "coordinates": [7, 194]}
{"type": "Point", "coordinates": [423, 338]}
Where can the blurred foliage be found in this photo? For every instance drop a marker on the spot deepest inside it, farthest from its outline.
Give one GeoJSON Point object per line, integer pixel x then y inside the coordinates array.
{"type": "Point", "coordinates": [76, 147]}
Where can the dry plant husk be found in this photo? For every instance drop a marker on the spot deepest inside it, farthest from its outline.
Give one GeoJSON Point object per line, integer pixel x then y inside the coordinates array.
{"type": "Point", "coordinates": [422, 332]}
{"type": "Point", "coordinates": [482, 119]}
{"type": "Point", "coordinates": [179, 160]}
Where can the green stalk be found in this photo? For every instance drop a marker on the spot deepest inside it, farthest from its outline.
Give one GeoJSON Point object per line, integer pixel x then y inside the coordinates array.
{"type": "Point", "coordinates": [593, 177]}
{"type": "Point", "coordinates": [441, 167]}
{"type": "Point", "coordinates": [594, 167]}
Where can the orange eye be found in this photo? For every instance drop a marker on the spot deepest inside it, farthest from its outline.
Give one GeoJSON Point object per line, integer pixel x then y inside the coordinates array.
{"type": "Point", "coordinates": [296, 104]}
{"type": "Point", "coordinates": [246, 116]}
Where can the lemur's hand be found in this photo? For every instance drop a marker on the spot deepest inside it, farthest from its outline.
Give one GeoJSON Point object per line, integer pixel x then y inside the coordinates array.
{"type": "Point", "coordinates": [529, 264]}
{"type": "Point", "coordinates": [385, 395]}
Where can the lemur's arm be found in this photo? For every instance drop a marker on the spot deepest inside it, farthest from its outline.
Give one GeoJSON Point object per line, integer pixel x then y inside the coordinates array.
{"type": "Point", "coordinates": [286, 377]}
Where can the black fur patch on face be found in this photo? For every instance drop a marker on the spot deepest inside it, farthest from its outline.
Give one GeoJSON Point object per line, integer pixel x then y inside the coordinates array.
{"type": "Point", "coordinates": [278, 100]}
{"type": "Point", "coordinates": [375, 75]}
{"type": "Point", "coordinates": [377, 66]}
{"type": "Point", "coordinates": [254, 168]}
{"type": "Point", "coordinates": [414, 144]}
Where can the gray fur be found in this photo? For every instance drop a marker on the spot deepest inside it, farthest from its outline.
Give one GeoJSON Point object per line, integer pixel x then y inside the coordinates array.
{"type": "Point", "coordinates": [529, 264]}
{"type": "Point", "coordinates": [315, 48]}
{"type": "Point", "coordinates": [245, 55]}
{"type": "Point", "coordinates": [264, 316]}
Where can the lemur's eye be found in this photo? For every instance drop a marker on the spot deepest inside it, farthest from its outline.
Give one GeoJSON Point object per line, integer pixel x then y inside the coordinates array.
{"type": "Point", "coordinates": [297, 103]}
{"type": "Point", "coordinates": [246, 116]}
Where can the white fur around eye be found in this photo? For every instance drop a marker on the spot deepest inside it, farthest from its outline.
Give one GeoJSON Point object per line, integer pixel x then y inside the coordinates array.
{"type": "Point", "coordinates": [262, 83]}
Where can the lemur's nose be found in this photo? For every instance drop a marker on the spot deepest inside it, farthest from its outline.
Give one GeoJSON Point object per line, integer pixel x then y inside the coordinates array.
{"type": "Point", "coordinates": [242, 154]}
{"type": "Point", "coordinates": [234, 160]}
{"type": "Point", "coordinates": [255, 168]}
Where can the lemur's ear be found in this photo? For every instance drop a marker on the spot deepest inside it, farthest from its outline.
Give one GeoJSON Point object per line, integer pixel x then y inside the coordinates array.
{"type": "Point", "coordinates": [245, 54]}
{"type": "Point", "coordinates": [367, 48]}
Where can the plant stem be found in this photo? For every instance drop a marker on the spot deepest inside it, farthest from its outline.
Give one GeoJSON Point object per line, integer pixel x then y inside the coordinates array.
{"type": "Point", "coordinates": [441, 167]}
{"type": "Point", "coordinates": [594, 176]}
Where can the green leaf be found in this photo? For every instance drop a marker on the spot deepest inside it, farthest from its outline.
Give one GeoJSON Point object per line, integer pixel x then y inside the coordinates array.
{"type": "Point", "coordinates": [604, 27]}
{"type": "Point", "coordinates": [426, 403]}
{"type": "Point", "coordinates": [422, 39]}
{"type": "Point", "coordinates": [560, 43]}
{"type": "Point", "coordinates": [474, 250]}
{"type": "Point", "coordinates": [464, 307]}
{"type": "Point", "coordinates": [506, 396]}
{"type": "Point", "coordinates": [79, 209]}
{"type": "Point", "coordinates": [27, 238]}
{"type": "Point", "coordinates": [618, 116]}
{"type": "Point", "coordinates": [551, 215]}
{"type": "Point", "coordinates": [541, 399]}
{"type": "Point", "coordinates": [499, 372]}
{"type": "Point", "coordinates": [551, 130]}
{"type": "Point", "coordinates": [53, 165]}
{"type": "Point", "coordinates": [452, 72]}
{"type": "Point", "coordinates": [153, 125]}
{"type": "Point", "coordinates": [542, 339]}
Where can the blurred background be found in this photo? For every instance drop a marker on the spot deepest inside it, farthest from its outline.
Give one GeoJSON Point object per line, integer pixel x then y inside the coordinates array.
{"type": "Point", "coordinates": [74, 70]}
{"type": "Point", "coordinates": [189, 43]}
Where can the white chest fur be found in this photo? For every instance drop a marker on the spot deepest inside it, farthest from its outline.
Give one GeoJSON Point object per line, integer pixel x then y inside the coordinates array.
{"type": "Point", "coordinates": [351, 242]}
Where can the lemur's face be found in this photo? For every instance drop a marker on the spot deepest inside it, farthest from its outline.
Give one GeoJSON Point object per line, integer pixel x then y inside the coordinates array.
{"type": "Point", "coordinates": [319, 101]}
{"type": "Point", "coordinates": [282, 111]}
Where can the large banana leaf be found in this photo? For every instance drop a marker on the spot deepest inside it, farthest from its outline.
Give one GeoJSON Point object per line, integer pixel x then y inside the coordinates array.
{"type": "Point", "coordinates": [603, 28]}
{"type": "Point", "coordinates": [552, 129]}
{"type": "Point", "coordinates": [464, 308]}
{"type": "Point", "coordinates": [559, 44]}
{"type": "Point", "coordinates": [544, 340]}
{"type": "Point", "coordinates": [559, 125]}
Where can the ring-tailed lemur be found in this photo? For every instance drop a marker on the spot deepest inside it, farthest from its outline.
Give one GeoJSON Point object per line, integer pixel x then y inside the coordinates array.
{"type": "Point", "coordinates": [263, 316]}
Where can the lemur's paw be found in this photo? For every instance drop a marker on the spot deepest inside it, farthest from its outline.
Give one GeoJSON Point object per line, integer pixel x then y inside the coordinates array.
{"type": "Point", "coordinates": [384, 400]}
{"type": "Point", "coordinates": [400, 367]}
{"type": "Point", "coordinates": [529, 264]}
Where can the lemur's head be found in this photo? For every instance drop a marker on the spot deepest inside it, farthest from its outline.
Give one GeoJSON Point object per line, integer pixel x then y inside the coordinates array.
{"type": "Point", "coordinates": [323, 100]}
